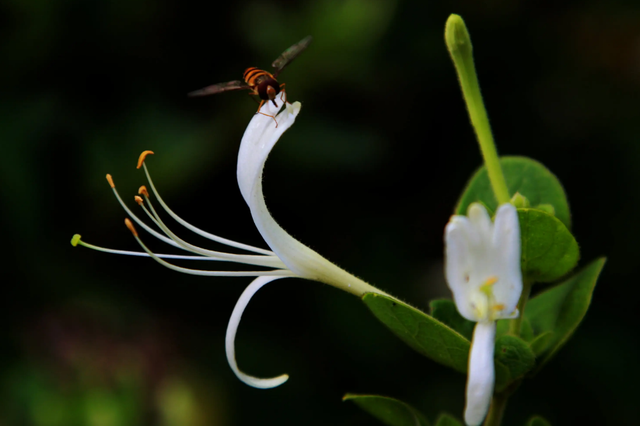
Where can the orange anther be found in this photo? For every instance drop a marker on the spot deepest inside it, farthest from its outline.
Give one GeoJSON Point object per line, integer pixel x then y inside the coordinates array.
{"type": "Point", "coordinates": [491, 281]}
{"type": "Point", "coordinates": [130, 226]}
{"type": "Point", "coordinates": [142, 157]}
{"type": "Point", "coordinates": [110, 180]}
{"type": "Point", "coordinates": [486, 287]}
{"type": "Point", "coordinates": [143, 191]}
{"type": "Point", "coordinates": [138, 199]}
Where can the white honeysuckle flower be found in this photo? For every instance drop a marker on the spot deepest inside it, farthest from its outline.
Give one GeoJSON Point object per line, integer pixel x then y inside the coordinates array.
{"type": "Point", "coordinates": [287, 257]}
{"type": "Point", "coordinates": [483, 271]}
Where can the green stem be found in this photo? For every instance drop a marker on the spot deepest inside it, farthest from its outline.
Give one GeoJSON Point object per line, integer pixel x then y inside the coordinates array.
{"type": "Point", "coordinates": [499, 401]}
{"type": "Point", "coordinates": [515, 325]}
{"type": "Point", "coordinates": [496, 411]}
{"type": "Point", "coordinates": [461, 51]}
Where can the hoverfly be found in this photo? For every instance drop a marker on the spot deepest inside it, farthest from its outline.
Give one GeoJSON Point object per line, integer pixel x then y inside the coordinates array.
{"type": "Point", "coordinates": [261, 83]}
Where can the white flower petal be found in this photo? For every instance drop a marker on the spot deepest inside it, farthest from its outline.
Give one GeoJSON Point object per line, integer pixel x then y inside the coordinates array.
{"type": "Point", "coordinates": [258, 141]}
{"type": "Point", "coordinates": [506, 239]}
{"type": "Point", "coordinates": [482, 264]}
{"type": "Point", "coordinates": [457, 265]}
{"type": "Point", "coordinates": [232, 329]}
{"type": "Point", "coordinates": [479, 218]}
{"type": "Point", "coordinates": [481, 373]}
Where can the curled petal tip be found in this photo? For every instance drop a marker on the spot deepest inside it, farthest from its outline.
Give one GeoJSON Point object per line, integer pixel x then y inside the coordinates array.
{"type": "Point", "coordinates": [294, 108]}
{"type": "Point", "coordinates": [142, 157]}
{"type": "Point", "coordinates": [232, 329]}
{"type": "Point", "coordinates": [258, 383]}
{"type": "Point", "coordinates": [75, 240]}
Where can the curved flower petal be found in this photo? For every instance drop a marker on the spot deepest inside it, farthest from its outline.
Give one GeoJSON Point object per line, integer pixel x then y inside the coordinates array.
{"type": "Point", "coordinates": [479, 218]}
{"type": "Point", "coordinates": [481, 373]}
{"type": "Point", "coordinates": [258, 141]}
{"type": "Point", "coordinates": [506, 238]}
{"type": "Point", "coordinates": [232, 329]}
{"type": "Point", "coordinates": [458, 265]}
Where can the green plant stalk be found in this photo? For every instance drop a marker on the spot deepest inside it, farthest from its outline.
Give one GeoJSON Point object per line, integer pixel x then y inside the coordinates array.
{"type": "Point", "coordinates": [461, 51]}
{"type": "Point", "coordinates": [496, 410]}
{"type": "Point", "coordinates": [499, 400]}
{"type": "Point", "coordinates": [516, 323]}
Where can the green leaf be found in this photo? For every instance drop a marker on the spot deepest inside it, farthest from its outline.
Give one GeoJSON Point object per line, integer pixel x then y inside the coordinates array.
{"type": "Point", "coordinates": [422, 332]}
{"type": "Point", "coordinates": [442, 343]}
{"type": "Point", "coordinates": [549, 251]}
{"type": "Point", "coordinates": [541, 342]}
{"type": "Point", "coordinates": [561, 308]}
{"type": "Point", "coordinates": [515, 354]}
{"type": "Point", "coordinates": [524, 175]}
{"type": "Point", "coordinates": [526, 332]}
{"type": "Point", "coordinates": [447, 420]}
{"type": "Point", "coordinates": [537, 421]}
{"type": "Point", "coordinates": [445, 311]}
{"type": "Point", "coordinates": [389, 411]}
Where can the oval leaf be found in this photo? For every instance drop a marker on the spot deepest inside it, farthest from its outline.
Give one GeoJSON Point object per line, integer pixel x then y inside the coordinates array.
{"type": "Point", "coordinates": [438, 341]}
{"type": "Point", "coordinates": [445, 311]}
{"type": "Point", "coordinates": [526, 332]}
{"type": "Point", "coordinates": [515, 354]}
{"type": "Point", "coordinates": [524, 175]}
{"type": "Point", "coordinates": [549, 251]}
{"type": "Point", "coordinates": [447, 420]}
{"type": "Point", "coordinates": [538, 421]}
{"type": "Point", "coordinates": [389, 411]}
{"type": "Point", "coordinates": [541, 342]}
{"type": "Point", "coordinates": [422, 332]}
{"type": "Point", "coordinates": [561, 308]}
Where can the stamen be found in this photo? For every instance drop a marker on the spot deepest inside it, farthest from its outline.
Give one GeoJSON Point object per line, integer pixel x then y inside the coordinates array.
{"type": "Point", "coordinates": [75, 241]}
{"type": "Point", "coordinates": [131, 228]}
{"type": "Point", "coordinates": [110, 180]}
{"type": "Point", "coordinates": [198, 231]}
{"type": "Point", "coordinates": [232, 329]}
{"type": "Point", "coordinates": [486, 286]}
{"type": "Point", "coordinates": [258, 260]}
{"type": "Point", "coordinates": [137, 220]}
{"type": "Point", "coordinates": [142, 157]}
{"type": "Point", "coordinates": [139, 200]}
{"type": "Point", "coordinates": [277, 272]}
{"type": "Point", "coordinates": [491, 281]}
{"type": "Point", "coordinates": [143, 191]}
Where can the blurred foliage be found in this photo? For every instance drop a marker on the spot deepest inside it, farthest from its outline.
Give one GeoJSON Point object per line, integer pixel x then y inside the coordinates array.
{"type": "Point", "coordinates": [368, 177]}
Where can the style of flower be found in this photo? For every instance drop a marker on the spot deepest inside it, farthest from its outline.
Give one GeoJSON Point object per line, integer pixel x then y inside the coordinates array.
{"type": "Point", "coordinates": [483, 271]}
{"type": "Point", "coordinates": [287, 257]}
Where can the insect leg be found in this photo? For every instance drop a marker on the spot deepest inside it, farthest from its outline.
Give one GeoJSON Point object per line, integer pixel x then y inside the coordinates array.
{"type": "Point", "coordinates": [274, 119]}
{"type": "Point", "coordinates": [258, 112]}
{"type": "Point", "coordinates": [285, 93]}
{"type": "Point", "coordinates": [253, 94]}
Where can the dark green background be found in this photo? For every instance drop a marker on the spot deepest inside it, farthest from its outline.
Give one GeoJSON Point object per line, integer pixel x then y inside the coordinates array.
{"type": "Point", "coordinates": [368, 177]}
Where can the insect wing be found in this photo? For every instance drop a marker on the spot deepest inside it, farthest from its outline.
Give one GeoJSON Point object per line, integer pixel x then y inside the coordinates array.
{"type": "Point", "coordinates": [290, 54]}
{"type": "Point", "coordinates": [219, 88]}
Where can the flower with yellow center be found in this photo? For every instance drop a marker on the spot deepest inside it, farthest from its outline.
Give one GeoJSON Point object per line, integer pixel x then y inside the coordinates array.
{"type": "Point", "coordinates": [483, 271]}
{"type": "Point", "coordinates": [287, 258]}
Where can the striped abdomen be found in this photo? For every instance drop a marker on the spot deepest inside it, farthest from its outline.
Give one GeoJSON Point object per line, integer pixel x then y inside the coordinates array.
{"type": "Point", "coordinates": [261, 81]}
